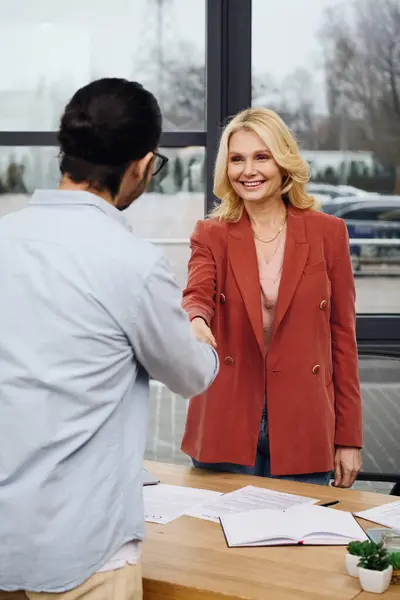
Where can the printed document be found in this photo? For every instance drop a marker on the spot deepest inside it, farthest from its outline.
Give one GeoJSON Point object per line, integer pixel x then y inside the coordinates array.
{"type": "Point", "coordinates": [164, 503]}
{"type": "Point", "coordinates": [388, 515]}
{"type": "Point", "coordinates": [245, 499]}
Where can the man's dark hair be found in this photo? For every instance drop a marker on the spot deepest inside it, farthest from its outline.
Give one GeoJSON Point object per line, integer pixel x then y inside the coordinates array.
{"type": "Point", "coordinates": [106, 125]}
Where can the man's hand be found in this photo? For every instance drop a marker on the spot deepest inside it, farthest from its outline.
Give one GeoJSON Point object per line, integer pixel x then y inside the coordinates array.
{"type": "Point", "coordinates": [202, 331]}
{"type": "Point", "coordinates": [347, 466]}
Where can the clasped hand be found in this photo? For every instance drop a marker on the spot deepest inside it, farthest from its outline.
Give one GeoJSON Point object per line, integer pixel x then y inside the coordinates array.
{"type": "Point", "coordinates": [202, 331]}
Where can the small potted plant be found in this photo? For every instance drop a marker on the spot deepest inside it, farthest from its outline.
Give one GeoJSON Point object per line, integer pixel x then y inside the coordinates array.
{"type": "Point", "coordinates": [354, 552]}
{"type": "Point", "coordinates": [395, 560]}
{"type": "Point", "coordinates": [375, 568]}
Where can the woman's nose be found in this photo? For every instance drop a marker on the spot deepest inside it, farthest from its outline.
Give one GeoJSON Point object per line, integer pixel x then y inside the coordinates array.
{"type": "Point", "coordinates": [248, 168]}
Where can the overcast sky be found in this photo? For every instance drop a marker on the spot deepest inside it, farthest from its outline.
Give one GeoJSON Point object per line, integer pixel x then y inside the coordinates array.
{"type": "Point", "coordinates": [65, 41]}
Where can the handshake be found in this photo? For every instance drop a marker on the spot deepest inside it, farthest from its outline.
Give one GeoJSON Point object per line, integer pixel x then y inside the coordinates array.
{"type": "Point", "coordinates": [202, 331]}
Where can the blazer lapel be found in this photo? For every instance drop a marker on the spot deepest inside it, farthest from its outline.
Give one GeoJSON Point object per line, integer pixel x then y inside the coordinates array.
{"type": "Point", "coordinates": [243, 259]}
{"type": "Point", "coordinates": [294, 261]}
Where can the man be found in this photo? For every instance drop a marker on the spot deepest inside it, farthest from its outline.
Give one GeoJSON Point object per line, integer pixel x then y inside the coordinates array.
{"type": "Point", "coordinates": [87, 312]}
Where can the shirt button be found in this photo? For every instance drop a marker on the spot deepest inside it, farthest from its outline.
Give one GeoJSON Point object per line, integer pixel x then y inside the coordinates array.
{"type": "Point", "coordinates": [323, 304]}
{"type": "Point", "coordinates": [315, 369]}
{"type": "Point", "coordinates": [229, 361]}
{"type": "Point", "coordinates": [222, 298]}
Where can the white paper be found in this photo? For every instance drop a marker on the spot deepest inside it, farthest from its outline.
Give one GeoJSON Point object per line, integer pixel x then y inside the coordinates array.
{"type": "Point", "coordinates": [245, 499]}
{"type": "Point", "coordinates": [302, 524]}
{"type": "Point", "coordinates": [164, 503]}
{"type": "Point", "coordinates": [388, 515]}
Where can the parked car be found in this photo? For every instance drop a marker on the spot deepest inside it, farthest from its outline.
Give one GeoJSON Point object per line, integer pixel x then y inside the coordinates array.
{"type": "Point", "coordinates": [330, 191]}
{"type": "Point", "coordinates": [371, 219]}
{"type": "Point", "coordinates": [333, 205]}
{"type": "Point", "coordinates": [350, 190]}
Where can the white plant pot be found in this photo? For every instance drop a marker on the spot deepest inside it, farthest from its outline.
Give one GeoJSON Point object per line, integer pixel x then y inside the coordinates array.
{"type": "Point", "coordinates": [352, 564]}
{"type": "Point", "coordinates": [376, 582]}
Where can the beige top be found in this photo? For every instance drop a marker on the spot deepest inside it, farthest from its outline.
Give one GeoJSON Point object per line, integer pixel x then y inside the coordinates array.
{"type": "Point", "coordinates": [270, 278]}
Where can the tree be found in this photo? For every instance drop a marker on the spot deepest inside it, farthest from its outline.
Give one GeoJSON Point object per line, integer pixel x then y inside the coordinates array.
{"type": "Point", "coordinates": [203, 174]}
{"type": "Point", "coordinates": [191, 184]}
{"type": "Point", "coordinates": [178, 174]}
{"type": "Point", "coordinates": [362, 64]}
{"type": "Point", "coordinates": [185, 91]}
{"type": "Point", "coordinates": [12, 181]}
{"type": "Point", "coordinates": [293, 100]}
{"type": "Point", "coordinates": [298, 107]}
{"type": "Point", "coordinates": [180, 86]}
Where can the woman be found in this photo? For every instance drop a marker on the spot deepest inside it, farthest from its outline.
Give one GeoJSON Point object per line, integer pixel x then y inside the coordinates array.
{"type": "Point", "coordinates": [271, 287]}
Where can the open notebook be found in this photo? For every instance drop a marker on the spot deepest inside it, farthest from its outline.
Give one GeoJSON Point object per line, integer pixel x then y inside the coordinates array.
{"type": "Point", "coordinates": [300, 524]}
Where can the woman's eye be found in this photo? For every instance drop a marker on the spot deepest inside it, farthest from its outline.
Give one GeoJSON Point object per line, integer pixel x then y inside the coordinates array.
{"type": "Point", "coordinates": [236, 158]}
{"type": "Point", "coordinates": [262, 157]}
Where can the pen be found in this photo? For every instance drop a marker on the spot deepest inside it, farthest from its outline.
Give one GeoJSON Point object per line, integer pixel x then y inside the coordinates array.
{"type": "Point", "coordinates": [330, 503]}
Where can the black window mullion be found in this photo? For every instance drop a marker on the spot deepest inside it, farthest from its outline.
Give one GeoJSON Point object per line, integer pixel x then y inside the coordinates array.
{"type": "Point", "coordinates": [228, 59]}
{"type": "Point", "coordinates": [169, 139]}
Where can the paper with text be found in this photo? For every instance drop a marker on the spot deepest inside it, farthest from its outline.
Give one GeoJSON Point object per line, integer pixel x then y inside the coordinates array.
{"type": "Point", "coordinates": [387, 515]}
{"type": "Point", "coordinates": [300, 524]}
{"type": "Point", "coordinates": [164, 503]}
{"type": "Point", "coordinates": [244, 499]}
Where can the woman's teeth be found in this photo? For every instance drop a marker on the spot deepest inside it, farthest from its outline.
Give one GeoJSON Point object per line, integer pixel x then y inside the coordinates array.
{"type": "Point", "coordinates": [252, 184]}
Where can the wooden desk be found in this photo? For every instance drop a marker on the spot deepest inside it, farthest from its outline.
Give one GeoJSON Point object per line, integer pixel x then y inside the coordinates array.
{"type": "Point", "coordinates": [189, 559]}
{"type": "Point", "coordinates": [393, 593]}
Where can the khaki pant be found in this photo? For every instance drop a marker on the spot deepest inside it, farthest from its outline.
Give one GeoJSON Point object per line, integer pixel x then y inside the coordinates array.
{"type": "Point", "coordinates": [121, 584]}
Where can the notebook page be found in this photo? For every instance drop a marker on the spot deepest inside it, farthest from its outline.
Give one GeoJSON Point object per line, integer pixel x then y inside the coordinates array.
{"type": "Point", "coordinates": [317, 524]}
{"type": "Point", "coordinates": [257, 527]}
{"type": "Point", "coordinates": [272, 542]}
{"type": "Point", "coordinates": [245, 499]}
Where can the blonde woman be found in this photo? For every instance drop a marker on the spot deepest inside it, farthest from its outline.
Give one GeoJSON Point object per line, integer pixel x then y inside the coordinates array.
{"type": "Point", "coordinates": [271, 287]}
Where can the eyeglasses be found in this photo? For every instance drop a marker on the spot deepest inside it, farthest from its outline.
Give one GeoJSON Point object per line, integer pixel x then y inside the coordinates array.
{"type": "Point", "coordinates": [158, 163]}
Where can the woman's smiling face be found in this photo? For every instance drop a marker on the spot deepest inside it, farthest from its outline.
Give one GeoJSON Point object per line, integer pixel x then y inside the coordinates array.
{"type": "Point", "coordinates": [252, 171]}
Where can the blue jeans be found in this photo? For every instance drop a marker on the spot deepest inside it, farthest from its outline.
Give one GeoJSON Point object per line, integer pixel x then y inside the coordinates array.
{"type": "Point", "coordinates": [262, 465]}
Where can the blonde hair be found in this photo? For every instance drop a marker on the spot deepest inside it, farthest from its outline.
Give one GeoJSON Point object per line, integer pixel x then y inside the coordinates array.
{"type": "Point", "coordinates": [280, 141]}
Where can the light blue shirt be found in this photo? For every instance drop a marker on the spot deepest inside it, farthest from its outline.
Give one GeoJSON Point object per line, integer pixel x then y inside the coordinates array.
{"type": "Point", "coordinates": [87, 312]}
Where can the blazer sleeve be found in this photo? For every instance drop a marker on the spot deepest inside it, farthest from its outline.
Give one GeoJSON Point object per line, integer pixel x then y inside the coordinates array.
{"type": "Point", "coordinates": [348, 407]}
{"type": "Point", "coordinates": [199, 295]}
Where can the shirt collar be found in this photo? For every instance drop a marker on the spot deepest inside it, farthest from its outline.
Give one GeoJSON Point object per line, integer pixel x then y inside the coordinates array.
{"type": "Point", "coordinates": [78, 198]}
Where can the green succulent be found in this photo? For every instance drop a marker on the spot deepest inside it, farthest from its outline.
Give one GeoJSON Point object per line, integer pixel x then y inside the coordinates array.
{"type": "Point", "coordinates": [356, 548]}
{"type": "Point", "coordinates": [374, 557]}
{"type": "Point", "coordinates": [395, 560]}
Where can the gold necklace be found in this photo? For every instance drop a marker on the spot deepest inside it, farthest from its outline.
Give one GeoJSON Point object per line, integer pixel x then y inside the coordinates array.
{"type": "Point", "coordinates": [279, 273]}
{"type": "Point", "coordinates": [275, 236]}
{"type": "Point", "coordinates": [273, 254]}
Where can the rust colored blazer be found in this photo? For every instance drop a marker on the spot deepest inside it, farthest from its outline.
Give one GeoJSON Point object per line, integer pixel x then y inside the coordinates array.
{"type": "Point", "coordinates": [310, 374]}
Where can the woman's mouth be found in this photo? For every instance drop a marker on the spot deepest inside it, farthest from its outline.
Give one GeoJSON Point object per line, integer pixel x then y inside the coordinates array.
{"type": "Point", "coordinates": [251, 185]}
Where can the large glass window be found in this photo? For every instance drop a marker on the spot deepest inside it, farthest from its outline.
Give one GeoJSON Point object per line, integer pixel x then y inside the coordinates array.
{"type": "Point", "coordinates": [327, 66]}
{"type": "Point", "coordinates": [48, 49]}
{"type": "Point", "coordinates": [166, 214]}
{"type": "Point", "coordinates": [330, 69]}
